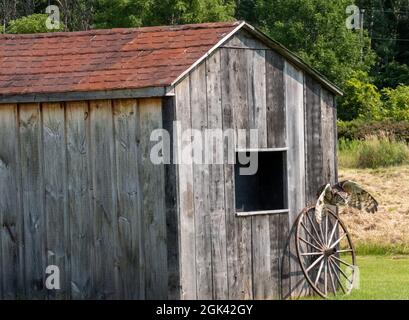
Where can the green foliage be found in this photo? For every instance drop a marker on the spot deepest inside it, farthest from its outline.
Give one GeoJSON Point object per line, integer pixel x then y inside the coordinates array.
{"type": "Point", "coordinates": [135, 13]}
{"type": "Point", "coordinates": [119, 14]}
{"type": "Point", "coordinates": [359, 129]}
{"type": "Point", "coordinates": [373, 152]}
{"type": "Point", "coordinates": [362, 100]}
{"type": "Point", "coordinates": [35, 23]}
{"type": "Point", "coordinates": [393, 75]}
{"type": "Point", "coordinates": [397, 103]}
{"type": "Point", "coordinates": [315, 29]}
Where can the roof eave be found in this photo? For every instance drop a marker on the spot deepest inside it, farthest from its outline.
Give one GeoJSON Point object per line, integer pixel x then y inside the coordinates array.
{"type": "Point", "coordinates": [150, 92]}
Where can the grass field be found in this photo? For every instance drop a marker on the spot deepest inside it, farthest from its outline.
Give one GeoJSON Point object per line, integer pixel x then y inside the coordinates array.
{"type": "Point", "coordinates": [387, 231]}
{"type": "Point", "coordinates": [382, 278]}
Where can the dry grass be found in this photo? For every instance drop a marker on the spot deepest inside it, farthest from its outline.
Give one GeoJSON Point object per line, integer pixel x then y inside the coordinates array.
{"type": "Point", "coordinates": [389, 228]}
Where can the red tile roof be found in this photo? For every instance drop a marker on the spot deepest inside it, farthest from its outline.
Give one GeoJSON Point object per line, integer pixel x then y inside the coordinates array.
{"type": "Point", "coordinates": [103, 59]}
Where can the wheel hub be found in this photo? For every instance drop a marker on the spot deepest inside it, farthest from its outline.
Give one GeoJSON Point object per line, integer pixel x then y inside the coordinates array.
{"type": "Point", "coordinates": [329, 252]}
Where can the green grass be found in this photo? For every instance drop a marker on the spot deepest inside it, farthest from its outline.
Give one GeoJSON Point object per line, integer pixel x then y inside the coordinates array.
{"type": "Point", "coordinates": [376, 249]}
{"type": "Point", "coordinates": [373, 152]}
{"type": "Point", "coordinates": [382, 278]}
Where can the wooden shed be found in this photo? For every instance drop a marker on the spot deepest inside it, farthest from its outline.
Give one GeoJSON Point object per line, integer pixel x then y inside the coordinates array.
{"type": "Point", "coordinates": [78, 189]}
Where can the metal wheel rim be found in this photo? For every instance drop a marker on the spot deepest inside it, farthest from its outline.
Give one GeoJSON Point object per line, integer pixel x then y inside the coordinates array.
{"type": "Point", "coordinates": [333, 263]}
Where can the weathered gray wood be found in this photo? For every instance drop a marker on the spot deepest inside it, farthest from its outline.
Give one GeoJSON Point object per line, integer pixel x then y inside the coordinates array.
{"type": "Point", "coordinates": [130, 253]}
{"type": "Point", "coordinates": [55, 182]}
{"type": "Point", "coordinates": [153, 203]}
{"type": "Point", "coordinates": [104, 267]}
{"type": "Point", "coordinates": [328, 144]}
{"type": "Point", "coordinates": [276, 108]}
{"type": "Point", "coordinates": [244, 40]}
{"type": "Point", "coordinates": [89, 95]}
{"type": "Point", "coordinates": [313, 140]}
{"type": "Point", "coordinates": [33, 200]}
{"type": "Point", "coordinates": [171, 201]}
{"type": "Point", "coordinates": [201, 187]}
{"type": "Point", "coordinates": [11, 222]}
{"type": "Point", "coordinates": [294, 93]}
{"type": "Point", "coordinates": [265, 276]}
{"type": "Point", "coordinates": [235, 115]}
{"type": "Point", "coordinates": [186, 205]}
{"type": "Point", "coordinates": [216, 181]}
{"type": "Point", "coordinates": [283, 234]}
{"type": "Point", "coordinates": [79, 185]}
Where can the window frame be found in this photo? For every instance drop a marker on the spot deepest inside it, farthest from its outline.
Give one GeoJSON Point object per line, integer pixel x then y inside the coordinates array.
{"type": "Point", "coordinates": [284, 151]}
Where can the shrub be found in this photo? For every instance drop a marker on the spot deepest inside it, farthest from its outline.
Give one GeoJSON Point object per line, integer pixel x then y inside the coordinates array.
{"type": "Point", "coordinates": [35, 23]}
{"type": "Point", "coordinates": [359, 129]}
{"type": "Point", "coordinates": [362, 100]}
{"type": "Point", "coordinates": [396, 105]}
{"type": "Point", "coordinates": [373, 152]}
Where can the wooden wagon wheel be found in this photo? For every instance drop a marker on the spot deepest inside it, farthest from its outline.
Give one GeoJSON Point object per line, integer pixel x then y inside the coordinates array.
{"type": "Point", "coordinates": [325, 253]}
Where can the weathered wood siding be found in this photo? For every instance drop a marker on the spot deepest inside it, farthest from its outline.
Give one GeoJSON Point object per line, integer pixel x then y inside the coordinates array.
{"type": "Point", "coordinates": [245, 85]}
{"type": "Point", "coordinates": [78, 190]}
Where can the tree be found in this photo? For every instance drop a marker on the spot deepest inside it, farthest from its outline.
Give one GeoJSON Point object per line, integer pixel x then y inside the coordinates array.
{"type": "Point", "coordinates": [316, 30]}
{"type": "Point", "coordinates": [35, 23]}
{"type": "Point", "coordinates": [135, 13]}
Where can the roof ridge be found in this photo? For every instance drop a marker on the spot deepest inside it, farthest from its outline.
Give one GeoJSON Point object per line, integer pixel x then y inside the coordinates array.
{"type": "Point", "coordinates": [181, 27]}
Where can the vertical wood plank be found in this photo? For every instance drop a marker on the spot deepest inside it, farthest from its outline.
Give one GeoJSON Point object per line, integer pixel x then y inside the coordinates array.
{"type": "Point", "coordinates": [33, 200]}
{"type": "Point", "coordinates": [130, 255]}
{"type": "Point", "coordinates": [171, 201]}
{"type": "Point", "coordinates": [264, 253]}
{"type": "Point", "coordinates": [294, 93]}
{"type": "Point", "coordinates": [201, 187]}
{"type": "Point", "coordinates": [216, 181]}
{"type": "Point", "coordinates": [187, 222]}
{"type": "Point", "coordinates": [11, 222]}
{"type": "Point", "coordinates": [283, 234]}
{"type": "Point", "coordinates": [57, 224]}
{"type": "Point", "coordinates": [104, 267]}
{"type": "Point", "coordinates": [79, 184]}
{"type": "Point", "coordinates": [153, 202]}
{"type": "Point", "coordinates": [313, 140]}
{"type": "Point", "coordinates": [276, 94]}
{"type": "Point", "coordinates": [235, 115]}
{"type": "Point", "coordinates": [329, 143]}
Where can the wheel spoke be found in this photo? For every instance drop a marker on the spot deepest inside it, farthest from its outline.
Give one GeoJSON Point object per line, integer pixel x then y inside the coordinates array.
{"type": "Point", "coordinates": [311, 254]}
{"type": "Point", "coordinates": [314, 263]}
{"type": "Point", "coordinates": [310, 234]}
{"type": "Point", "coordinates": [319, 272]}
{"type": "Point", "coordinates": [342, 271]}
{"type": "Point", "coordinates": [315, 229]}
{"type": "Point", "coordinates": [325, 279]}
{"type": "Point", "coordinates": [332, 279]}
{"type": "Point", "coordinates": [344, 251]}
{"type": "Point", "coordinates": [322, 234]}
{"type": "Point", "coordinates": [343, 262]}
{"type": "Point", "coordinates": [326, 228]}
{"type": "Point", "coordinates": [336, 276]}
{"type": "Point", "coordinates": [307, 242]}
{"type": "Point", "coordinates": [338, 241]}
{"type": "Point", "coordinates": [334, 228]}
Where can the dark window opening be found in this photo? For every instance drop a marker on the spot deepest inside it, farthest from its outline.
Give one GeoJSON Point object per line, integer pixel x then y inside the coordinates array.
{"type": "Point", "coordinates": [264, 191]}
